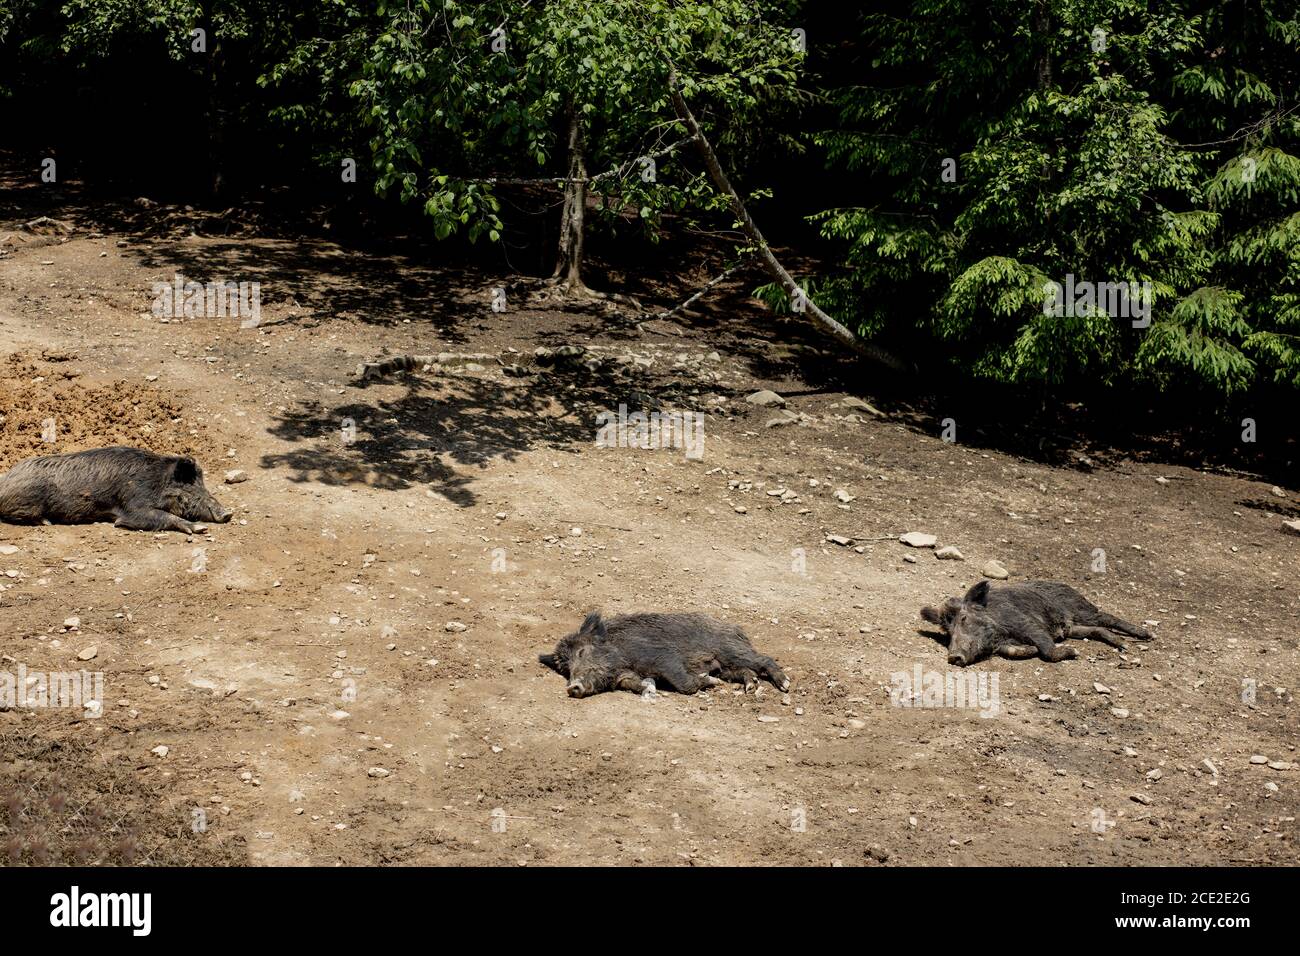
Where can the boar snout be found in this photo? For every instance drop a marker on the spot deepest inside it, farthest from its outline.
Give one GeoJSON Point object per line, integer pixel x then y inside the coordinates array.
{"type": "Point", "coordinates": [577, 689]}
{"type": "Point", "coordinates": [957, 659]}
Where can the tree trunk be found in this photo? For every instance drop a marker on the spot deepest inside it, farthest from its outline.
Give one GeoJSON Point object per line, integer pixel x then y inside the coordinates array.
{"type": "Point", "coordinates": [568, 264]}
{"type": "Point", "coordinates": [215, 69]}
{"type": "Point", "coordinates": [1043, 30]}
{"type": "Point", "coordinates": [773, 265]}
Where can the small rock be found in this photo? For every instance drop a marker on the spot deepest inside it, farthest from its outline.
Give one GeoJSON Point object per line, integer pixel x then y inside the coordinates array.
{"type": "Point", "coordinates": [162, 750]}
{"type": "Point", "coordinates": [1100, 688]}
{"type": "Point", "coordinates": [839, 539]}
{"type": "Point", "coordinates": [1141, 798]}
{"type": "Point", "coordinates": [918, 539]}
{"type": "Point", "coordinates": [949, 553]}
{"type": "Point", "coordinates": [1119, 712]}
{"type": "Point", "coordinates": [1292, 526]}
{"type": "Point", "coordinates": [8, 549]}
{"type": "Point", "coordinates": [1155, 774]}
{"type": "Point", "coordinates": [765, 398]}
{"type": "Point", "coordinates": [857, 403]}
{"type": "Point", "coordinates": [844, 496]}
{"type": "Point", "coordinates": [994, 570]}
{"type": "Point", "coordinates": [1258, 758]}
{"type": "Point", "coordinates": [1278, 492]}
{"type": "Point", "coordinates": [455, 627]}
{"type": "Point", "coordinates": [72, 623]}
{"type": "Point", "coordinates": [378, 773]}
{"type": "Point", "coordinates": [235, 476]}
{"type": "Point", "coordinates": [89, 653]}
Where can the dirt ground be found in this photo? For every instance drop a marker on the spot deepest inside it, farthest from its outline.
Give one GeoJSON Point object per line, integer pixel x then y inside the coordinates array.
{"type": "Point", "coordinates": [298, 667]}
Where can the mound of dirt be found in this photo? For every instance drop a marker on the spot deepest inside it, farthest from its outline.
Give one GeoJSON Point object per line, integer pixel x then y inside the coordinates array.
{"type": "Point", "coordinates": [44, 396]}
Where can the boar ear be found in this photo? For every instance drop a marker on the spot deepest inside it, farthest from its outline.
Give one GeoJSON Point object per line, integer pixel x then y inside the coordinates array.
{"type": "Point", "coordinates": [594, 626]}
{"type": "Point", "coordinates": [931, 614]}
{"type": "Point", "coordinates": [979, 594]}
{"type": "Point", "coordinates": [549, 660]}
{"type": "Point", "coordinates": [186, 471]}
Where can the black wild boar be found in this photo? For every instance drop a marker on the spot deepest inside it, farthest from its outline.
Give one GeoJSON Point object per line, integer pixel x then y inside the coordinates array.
{"type": "Point", "coordinates": [1022, 620]}
{"type": "Point", "coordinates": [131, 487]}
{"type": "Point", "coordinates": [633, 651]}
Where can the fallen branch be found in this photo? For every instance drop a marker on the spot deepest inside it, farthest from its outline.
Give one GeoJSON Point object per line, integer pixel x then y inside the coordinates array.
{"type": "Point", "coordinates": [668, 314]}
{"type": "Point", "coordinates": [398, 363]}
{"type": "Point", "coordinates": [45, 222]}
{"type": "Point", "coordinates": [720, 180]}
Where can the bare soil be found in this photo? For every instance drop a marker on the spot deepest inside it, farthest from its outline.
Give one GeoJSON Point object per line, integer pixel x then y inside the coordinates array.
{"type": "Point", "coordinates": [259, 654]}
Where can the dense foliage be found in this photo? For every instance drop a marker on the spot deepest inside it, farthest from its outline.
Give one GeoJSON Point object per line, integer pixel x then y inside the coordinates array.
{"type": "Point", "coordinates": [957, 158]}
{"type": "Point", "coordinates": [1017, 144]}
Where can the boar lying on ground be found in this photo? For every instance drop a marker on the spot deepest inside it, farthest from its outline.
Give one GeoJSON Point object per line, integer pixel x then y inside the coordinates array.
{"type": "Point", "coordinates": [1023, 620]}
{"type": "Point", "coordinates": [634, 651]}
{"type": "Point", "coordinates": [131, 487]}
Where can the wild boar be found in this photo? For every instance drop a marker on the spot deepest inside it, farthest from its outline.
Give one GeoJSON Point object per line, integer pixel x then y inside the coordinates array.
{"type": "Point", "coordinates": [634, 651]}
{"type": "Point", "coordinates": [131, 487]}
{"type": "Point", "coordinates": [1024, 620]}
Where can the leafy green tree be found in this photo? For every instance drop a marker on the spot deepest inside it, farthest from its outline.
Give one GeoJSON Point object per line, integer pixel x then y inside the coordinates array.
{"type": "Point", "coordinates": [1115, 141]}
{"type": "Point", "coordinates": [460, 98]}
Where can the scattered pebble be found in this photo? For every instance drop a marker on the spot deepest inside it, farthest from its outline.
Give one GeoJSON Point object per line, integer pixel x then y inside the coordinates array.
{"type": "Point", "coordinates": [994, 570]}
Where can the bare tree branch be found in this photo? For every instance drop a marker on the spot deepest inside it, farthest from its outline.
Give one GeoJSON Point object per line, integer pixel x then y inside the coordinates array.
{"type": "Point", "coordinates": [720, 180]}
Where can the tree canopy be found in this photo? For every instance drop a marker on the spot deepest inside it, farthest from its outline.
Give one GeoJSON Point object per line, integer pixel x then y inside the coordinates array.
{"type": "Point", "coordinates": [1050, 194]}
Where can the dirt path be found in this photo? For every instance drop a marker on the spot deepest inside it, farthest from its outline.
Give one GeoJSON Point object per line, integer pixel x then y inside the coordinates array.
{"type": "Point", "coordinates": [298, 666]}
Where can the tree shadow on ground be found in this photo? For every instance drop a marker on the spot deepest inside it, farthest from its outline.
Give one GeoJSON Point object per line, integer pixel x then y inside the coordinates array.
{"type": "Point", "coordinates": [327, 282]}
{"type": "Point", "coordinates": [418, 437]}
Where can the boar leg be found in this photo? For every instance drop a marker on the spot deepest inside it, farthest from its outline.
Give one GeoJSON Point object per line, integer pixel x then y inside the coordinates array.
{"type": "Point", "coordinates": [1080, 633]}
{"type": "Point", "coordinates": [772, 671]}
{"type": "Point", "coordinates": [630, 680]}
{"type": "Point", "coordinates": [741, 675]}
{"type": "Point", "coordinates": [1017, 651]}
{"type": "Point", "coordinates": [1113, 623]}
{"type": "Point", "coordinates": [751, 661]}
{"type": "Point", "coordinates": [683, 681]}
{"type": "Point", "coordinates": [152, 519]}
{"type": "Point", "coordinates": [1048, 648]}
